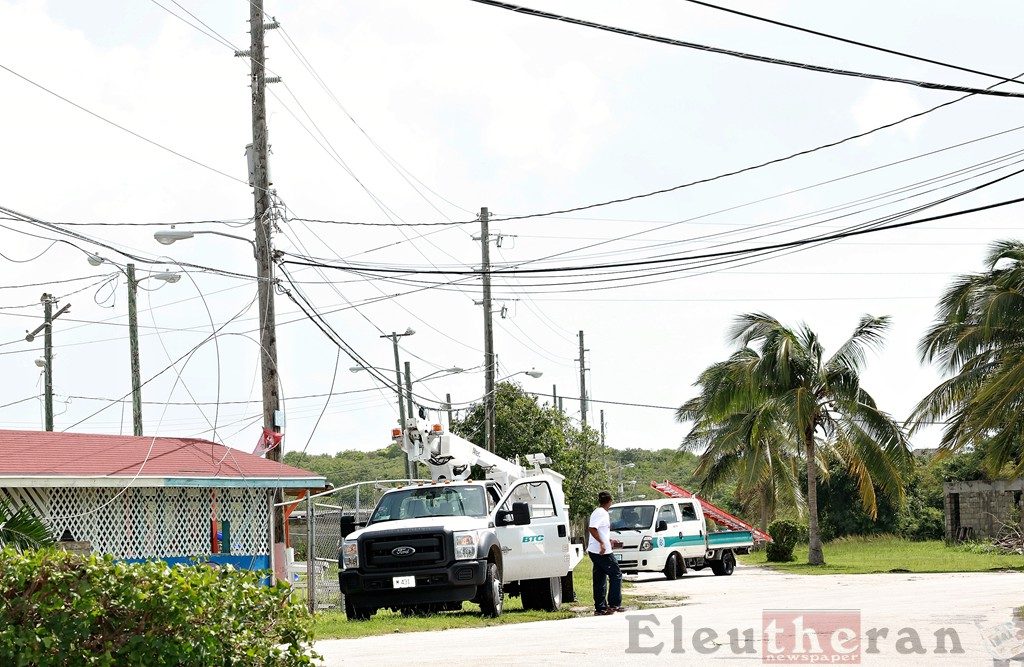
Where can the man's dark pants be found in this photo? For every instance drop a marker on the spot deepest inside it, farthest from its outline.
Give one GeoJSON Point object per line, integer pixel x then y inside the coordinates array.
{"type": "Point", "coordinates": [606, 569]}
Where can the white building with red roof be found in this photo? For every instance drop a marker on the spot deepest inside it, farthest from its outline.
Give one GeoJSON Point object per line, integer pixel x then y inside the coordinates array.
{"type": "Point", "coordinates": [140, 497]}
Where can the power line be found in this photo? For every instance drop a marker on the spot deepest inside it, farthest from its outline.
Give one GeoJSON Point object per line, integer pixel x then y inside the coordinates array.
{"type": "Point", "coordinates": [854, 42]}
{"type": "Point", "coordinates": [519, 9]}
{"type": "Point", "coordinates": [790, 244]}
{"type": "Point", "coordinates": [122, 127]}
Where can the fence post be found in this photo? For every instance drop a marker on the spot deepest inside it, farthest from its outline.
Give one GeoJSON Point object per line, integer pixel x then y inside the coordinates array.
{"type": "Point", "coordinates": [310, 555]}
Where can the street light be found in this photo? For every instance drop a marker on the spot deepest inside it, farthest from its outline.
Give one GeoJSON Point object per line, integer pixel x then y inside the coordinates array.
{"type": "Point", "coordinates": [533, 372]}
{"type": "Point", "coordinates": [450, 371]}
{"type": "Point", "coordinates": [133, 328]}
{"type": "Point", "coordinates": [171, 236]}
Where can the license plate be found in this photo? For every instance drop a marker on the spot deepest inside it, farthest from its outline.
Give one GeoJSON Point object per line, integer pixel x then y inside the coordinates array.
{"type": "Point", "coordinates": [403, 582]}
{"type": "Point", "coordinates": [617, 556]}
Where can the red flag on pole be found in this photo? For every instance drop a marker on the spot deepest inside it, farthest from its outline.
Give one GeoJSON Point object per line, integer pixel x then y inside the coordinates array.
{"type": "Point", "coordinates": [269, 440]}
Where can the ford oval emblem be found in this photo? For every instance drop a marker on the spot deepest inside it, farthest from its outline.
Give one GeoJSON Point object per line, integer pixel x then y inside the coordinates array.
{"type": "Point", "coordinates": [403, 551]}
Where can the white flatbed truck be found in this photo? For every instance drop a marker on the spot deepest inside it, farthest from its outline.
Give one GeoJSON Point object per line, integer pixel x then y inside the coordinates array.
{"type": "Point", "coordinates": [670, 535]}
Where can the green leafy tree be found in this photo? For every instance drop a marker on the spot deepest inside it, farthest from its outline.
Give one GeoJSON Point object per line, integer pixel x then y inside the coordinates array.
{"type": "Point", "coordinates": [978, 341]}
{"type": "Point", "coordinates": [21, 529]}
{"type": "Point", "coordinates": [792, 401]}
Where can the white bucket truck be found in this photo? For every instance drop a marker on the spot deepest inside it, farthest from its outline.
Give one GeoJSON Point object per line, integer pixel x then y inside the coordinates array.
{"type": "Point", "coordinates": [432, 545]}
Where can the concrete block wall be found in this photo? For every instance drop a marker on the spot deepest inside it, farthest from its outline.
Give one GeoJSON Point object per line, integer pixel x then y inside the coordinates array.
{"type": "Point", "coordinates": [984, 506]}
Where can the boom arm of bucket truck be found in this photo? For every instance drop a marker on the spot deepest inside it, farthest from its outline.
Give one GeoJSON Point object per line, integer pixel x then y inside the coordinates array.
{"type": "Point", "coordinates": [451, 457]}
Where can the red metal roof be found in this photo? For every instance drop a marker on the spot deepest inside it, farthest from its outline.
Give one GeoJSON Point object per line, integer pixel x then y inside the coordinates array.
{"type": "Point", "coordinates": [41, 453]}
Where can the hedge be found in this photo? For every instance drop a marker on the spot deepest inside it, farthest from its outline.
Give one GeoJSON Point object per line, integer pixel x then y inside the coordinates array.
{"type": "Point", "coordinates": [59, 608]}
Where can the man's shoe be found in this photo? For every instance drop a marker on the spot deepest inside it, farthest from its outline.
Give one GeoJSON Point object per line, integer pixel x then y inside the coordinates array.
{"type": "Point", "coordinates": [617, 609]}
{"type": "Point", "coordinates": [607, 611]}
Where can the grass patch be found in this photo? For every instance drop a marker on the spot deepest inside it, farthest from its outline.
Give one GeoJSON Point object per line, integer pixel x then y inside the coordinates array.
{"type": "Point", "coordinates": [334, 625]}
{"type": "Point", "coordinates": [884, 553]}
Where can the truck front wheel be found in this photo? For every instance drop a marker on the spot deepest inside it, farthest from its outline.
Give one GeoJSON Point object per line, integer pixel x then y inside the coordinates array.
{"type": "Point", "coordinates": [354, 612]}
{"type": "Point", "coordinates": [725, 566]}
{"type": "Point", "coordinates": [490, 594]}
{"type": "Point", "coordinates": [674, 567]}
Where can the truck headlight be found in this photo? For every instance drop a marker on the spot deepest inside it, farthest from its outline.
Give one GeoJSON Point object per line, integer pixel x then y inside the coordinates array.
{"type": "Point", "coordinates": [350, 555]}
{"type": "Point", "coordinates": [646, 544]}
{"type": "Point", "coordinates": [465, 545]}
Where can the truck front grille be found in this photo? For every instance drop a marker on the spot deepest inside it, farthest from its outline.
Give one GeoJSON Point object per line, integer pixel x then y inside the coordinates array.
{"type": "Point", "coordinates": [428, 549]}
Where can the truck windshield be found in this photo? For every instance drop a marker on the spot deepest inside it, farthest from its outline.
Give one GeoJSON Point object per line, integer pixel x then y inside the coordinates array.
{"type": "Point", "coordinates": [431, 501]}
{"type": "Point", "coordinates": [631, 517]}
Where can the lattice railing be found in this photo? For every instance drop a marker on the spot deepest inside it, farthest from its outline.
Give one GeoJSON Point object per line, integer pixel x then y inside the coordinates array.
{"type": "Point", "coordinates": [153, 522]}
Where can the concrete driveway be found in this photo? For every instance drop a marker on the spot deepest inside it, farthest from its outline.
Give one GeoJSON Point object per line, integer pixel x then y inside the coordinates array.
{"type": "Point", "coordinates": [756, 616]}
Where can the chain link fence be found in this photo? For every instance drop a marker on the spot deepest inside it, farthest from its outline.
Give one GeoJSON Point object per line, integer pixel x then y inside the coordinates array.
{"type": "Point", "coordinates": [318, 522]}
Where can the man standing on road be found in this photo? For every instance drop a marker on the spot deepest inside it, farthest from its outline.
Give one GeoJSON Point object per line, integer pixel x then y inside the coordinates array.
{"type": "Point", "coordinates": [606, 570]}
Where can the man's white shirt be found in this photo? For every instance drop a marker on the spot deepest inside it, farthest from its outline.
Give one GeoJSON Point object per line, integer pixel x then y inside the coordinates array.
{"type": "Point", "coordinates": [599, 520]}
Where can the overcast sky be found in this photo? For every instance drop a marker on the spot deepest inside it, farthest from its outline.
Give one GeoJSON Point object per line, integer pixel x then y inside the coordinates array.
{"type": "Point", "coordinates": [481, 107]}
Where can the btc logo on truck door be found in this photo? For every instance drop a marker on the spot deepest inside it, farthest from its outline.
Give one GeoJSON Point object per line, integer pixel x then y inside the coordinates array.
{"type": "Point", "coordinates": [533, 538]}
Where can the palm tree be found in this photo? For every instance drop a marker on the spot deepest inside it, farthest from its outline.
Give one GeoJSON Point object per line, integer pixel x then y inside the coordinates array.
{"type": "Point", "coordinates": [978, 339]}
{"type": "Point", "coordinates": [778, 400]}
{"type": "Point", "coordinates": [21, 529]}
{"type": "Point", "coordinates": [741, 443]}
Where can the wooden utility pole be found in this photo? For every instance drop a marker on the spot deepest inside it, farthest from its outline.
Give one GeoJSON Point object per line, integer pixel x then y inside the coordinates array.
{"type": "Point", "coordinates": [47, 328]}
{"type": "Point", "coordinates": [48, 359]}
{"type": "Point", "coordinates": [412, 415]}
{"type": "Point", "coordinates": [260, 174]}
{"type": "Point", "coordinates": [133, 346]}
{"type": "Point", "coordinates": [448, 409]}
{"type": "Point", "coordinates": [489, 397]}
{"type": "Point", "coordinates": [583, 384]}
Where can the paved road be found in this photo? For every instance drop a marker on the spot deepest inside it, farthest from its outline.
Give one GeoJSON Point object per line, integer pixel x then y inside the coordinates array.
{"type": "Point", "coordinates": [972, 605]}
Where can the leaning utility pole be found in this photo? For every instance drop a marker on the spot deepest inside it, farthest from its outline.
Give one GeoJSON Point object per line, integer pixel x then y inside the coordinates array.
{"type": "Point", "coordinates": [47, 328]}
{"type": "Point", "coordinates": [260, 175]}
{"type": "Point", "coordinates": [489, 415]}
{"type": "Point", "coordinates": [133, 346]}
{"type": "Point", "coordinates": [583, 384]}
{"type": "Point", "coordinates": [412, 414]}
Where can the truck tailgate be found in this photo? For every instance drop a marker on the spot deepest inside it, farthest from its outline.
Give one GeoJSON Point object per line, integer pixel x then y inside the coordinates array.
{"type": "Point", "coordinates": [730, 539]}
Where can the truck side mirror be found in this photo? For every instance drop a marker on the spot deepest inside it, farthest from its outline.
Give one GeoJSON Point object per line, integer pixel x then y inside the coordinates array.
{"type": "Point", "coordinates": [661, 527]}
{"type": "Point", "coordinates": [521, 514]}
{"type": "Point", "coordinates": [348, 525]}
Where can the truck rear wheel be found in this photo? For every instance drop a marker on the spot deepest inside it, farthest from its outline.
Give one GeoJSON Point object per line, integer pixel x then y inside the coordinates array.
{"type": "Point", "coordinates": [674, 567]}
{"type": "Point", "coordinates": [354, 612]}
{"type": "Point", "coordinates": [568, 588]}
{"type": "Point", "coordinates": [491, 595]}
{"type": "Point", "coordinates": [725, 566]}
{"type": "Point", "coordinates": [541, 594]}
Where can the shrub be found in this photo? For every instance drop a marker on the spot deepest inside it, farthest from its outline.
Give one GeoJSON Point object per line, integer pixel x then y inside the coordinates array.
{"type": "Point", "coordinates": [785, 536]}
{"type": "Point", "coordinates": [925, 523]}
{"type": "Point", "coordinates": [58, 608]}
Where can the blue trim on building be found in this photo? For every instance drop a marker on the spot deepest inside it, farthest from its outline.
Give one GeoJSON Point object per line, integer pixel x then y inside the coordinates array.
{"type": "Point", "coordinates": [258, 562]}
{"type": "Point", "coordinates": [249, 482]}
